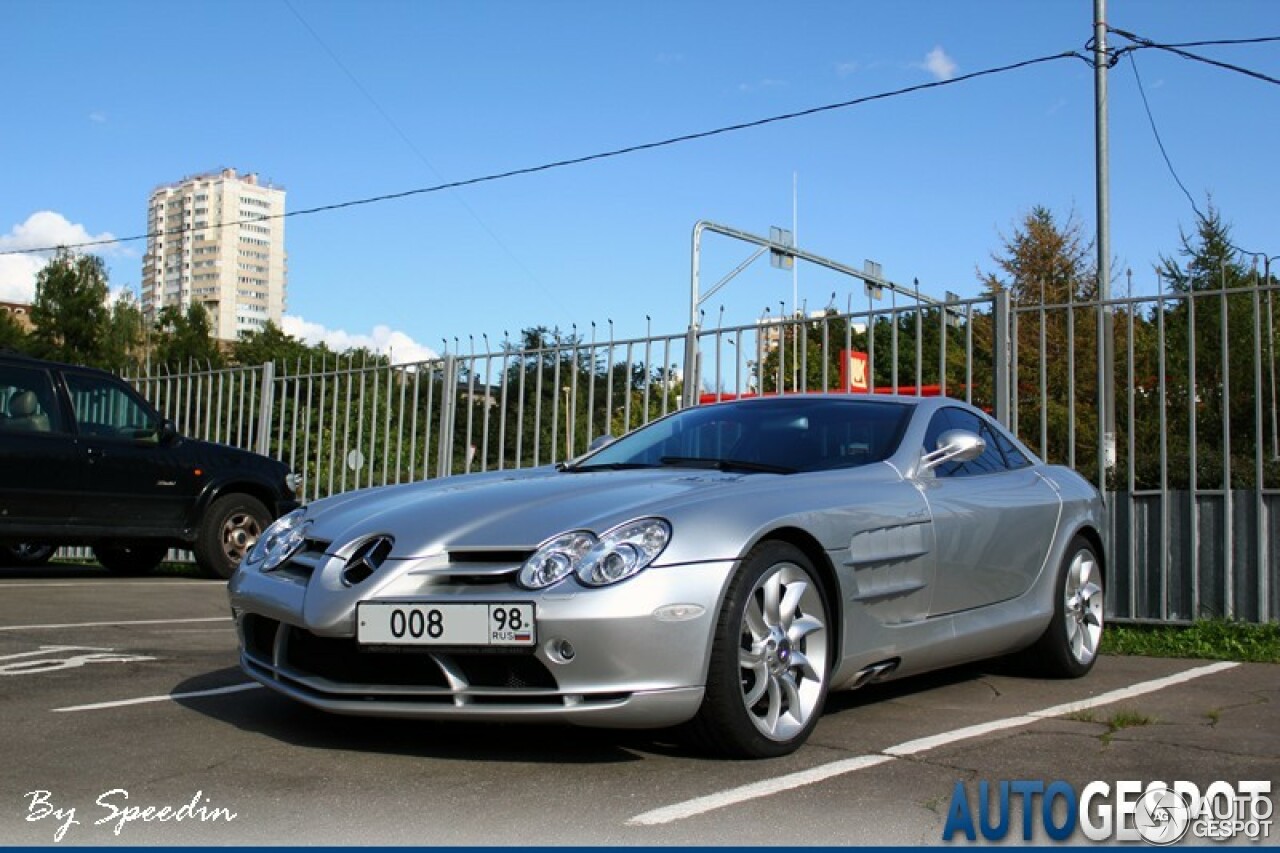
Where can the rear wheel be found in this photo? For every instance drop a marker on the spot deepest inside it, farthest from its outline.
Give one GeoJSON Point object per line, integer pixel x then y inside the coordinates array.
{"type": "Point", "coordinates": [27, 554]}
{"type": "Point", "coordinates": [130, 558]}
{"type": "Point", "coordinates": [1069, 646]}
{"type": "Point", "coordinates": [230, 527]}
{"type": "Point", "coordinates": [771, 657]}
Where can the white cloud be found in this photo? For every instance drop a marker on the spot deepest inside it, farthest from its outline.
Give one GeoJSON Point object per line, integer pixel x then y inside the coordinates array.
{"type": "Point", "coordinates": [401, 348]}
{"type": "Point", "coordinates": [846, 69]}
{"type": "Point", "coordinates": [43, 228]}
{"type": "Point", "coordinates": [937, 63]}
{"type": "Point", "coordinates": [98, 117]}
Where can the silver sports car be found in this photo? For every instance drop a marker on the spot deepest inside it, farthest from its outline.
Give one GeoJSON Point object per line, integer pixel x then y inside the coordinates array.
{"type": "Point", "coordinates": [724, 566]}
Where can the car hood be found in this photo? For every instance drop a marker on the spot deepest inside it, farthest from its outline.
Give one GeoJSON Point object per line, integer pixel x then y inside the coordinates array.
{"type": "Point", "coordinates": [518, 509]}
{"type": "Point", "coordinates": [229, 456]}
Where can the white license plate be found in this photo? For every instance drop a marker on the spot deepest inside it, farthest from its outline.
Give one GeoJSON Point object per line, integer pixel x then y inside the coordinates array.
{"type": "Point", "coordinates": [394, 624]}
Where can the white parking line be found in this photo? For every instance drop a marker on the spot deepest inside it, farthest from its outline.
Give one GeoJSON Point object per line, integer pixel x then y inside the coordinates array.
{"type": "Point", "coordinates": [734, 796]}
{"type": "Point", "coordinates": [112, 624]}
{"type": "Point", "coordinates": [168, 697]}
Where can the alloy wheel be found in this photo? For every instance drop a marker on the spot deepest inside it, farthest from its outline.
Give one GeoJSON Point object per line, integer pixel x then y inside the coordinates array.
{"type": "Point", "coordinates": [783, 653]}
{"type": "Point", "coordinates": [1083, 599]}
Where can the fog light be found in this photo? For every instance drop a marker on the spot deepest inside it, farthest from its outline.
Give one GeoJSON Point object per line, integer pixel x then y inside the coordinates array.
{"type": "Point", "coordinates": [560, 651]}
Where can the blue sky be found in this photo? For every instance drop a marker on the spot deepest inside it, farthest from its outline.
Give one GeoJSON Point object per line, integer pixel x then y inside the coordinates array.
{"type": "Point", "coordinates": [343, 100]}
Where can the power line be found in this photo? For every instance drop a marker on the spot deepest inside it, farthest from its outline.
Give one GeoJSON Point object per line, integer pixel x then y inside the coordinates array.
{"type": "Point", "coordinates": [1155, 131]}
{"type": "Point", "coordinates": [1159, 142]}
{"type": "Point", "coordinates": [577, 161]}
{"type": "Point", "coordinates": [418, 152]}
{"type": "Point", "coordinates": [1145, 43]}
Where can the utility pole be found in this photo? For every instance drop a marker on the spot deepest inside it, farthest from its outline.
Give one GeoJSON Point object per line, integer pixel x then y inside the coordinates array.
{"type": "Point", "coordinates": [1107, 391]}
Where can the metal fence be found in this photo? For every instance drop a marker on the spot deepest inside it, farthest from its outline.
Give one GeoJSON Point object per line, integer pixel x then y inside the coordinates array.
{"type": "Point", "coordinates": [1193, 483]}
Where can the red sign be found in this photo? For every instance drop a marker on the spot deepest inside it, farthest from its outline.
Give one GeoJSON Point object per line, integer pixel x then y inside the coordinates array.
{"type": "Point", "coordinates": [853, 371]}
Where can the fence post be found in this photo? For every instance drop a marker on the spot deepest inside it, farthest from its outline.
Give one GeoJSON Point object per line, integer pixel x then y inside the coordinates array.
{"type": "Point", "coordinates": [266, 407]}
{"type": "Point", "coordinates": [1000, 319]}
{"type": "Point", "coordinates": [448, 411]}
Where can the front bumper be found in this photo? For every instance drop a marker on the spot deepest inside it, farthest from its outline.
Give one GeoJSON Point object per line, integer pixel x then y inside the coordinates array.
{"type": "Point", "coordinates": [634, 665]}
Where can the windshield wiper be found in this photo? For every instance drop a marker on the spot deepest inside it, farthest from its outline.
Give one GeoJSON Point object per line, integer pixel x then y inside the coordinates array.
{"type": "Point", "coordinates": [725, 464]}
{"type": "Point", "coordinates": [606, 466]}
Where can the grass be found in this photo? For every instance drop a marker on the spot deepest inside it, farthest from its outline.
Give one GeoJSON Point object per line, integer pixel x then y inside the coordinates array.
{"type": "Point", "coordinates": [1124, 718]}
{"type": "Point", "coordinates": [1211, 639]}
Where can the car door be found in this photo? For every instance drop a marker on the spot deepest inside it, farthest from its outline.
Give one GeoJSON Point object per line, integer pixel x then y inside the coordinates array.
{"type": "Point", "coordinates": [132, 479]}
{"type": "Point", "coordinates": [994, 519]}
{"type": "Point", "coordinates": [889, 565]}
{"type": "Point", "coordinates": [39, 459]}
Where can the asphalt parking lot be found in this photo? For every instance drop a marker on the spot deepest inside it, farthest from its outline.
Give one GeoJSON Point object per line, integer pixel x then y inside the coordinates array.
{"type": "Point", "coordinates": [124, 693]}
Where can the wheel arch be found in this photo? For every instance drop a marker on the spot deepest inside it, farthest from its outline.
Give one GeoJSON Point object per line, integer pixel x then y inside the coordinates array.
{"type": "Point", "coordinates": [254, 489]}
{"type": "Point", "coordinates": [1091, 534]}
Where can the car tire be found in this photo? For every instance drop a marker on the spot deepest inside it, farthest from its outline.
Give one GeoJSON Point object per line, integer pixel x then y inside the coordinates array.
{"type": "Point", "coordinates": [770, 658]}
{"type": "Point", "coordinates": [1068, 648]}
{"type": "Point", "coordinates": [130, 559]}
{"type": "Point", "coordinates": [27, 554]}
{"type": "Point", "coordinates": [228, 530]}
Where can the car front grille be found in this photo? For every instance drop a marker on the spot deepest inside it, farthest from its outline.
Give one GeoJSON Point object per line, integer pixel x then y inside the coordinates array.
{"type": "Point", "coordinates": [337, 667]}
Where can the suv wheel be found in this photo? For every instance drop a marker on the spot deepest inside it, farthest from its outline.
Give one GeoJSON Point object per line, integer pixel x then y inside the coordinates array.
{"type": "Point", "coordinates": [130, 558]}
{"type": "Point", "coordinates": [27, 554]}
{"type": "Point", "coordinates": [230, 527]}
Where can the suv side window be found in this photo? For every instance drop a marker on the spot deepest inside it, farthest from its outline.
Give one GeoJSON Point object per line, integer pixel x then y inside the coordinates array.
{"type": "Point", "coordinates": [990, 462]}
{"type": "Point", "coordinates": [104, 408]}
{"type": "Point", "coordinates": [28, 402]}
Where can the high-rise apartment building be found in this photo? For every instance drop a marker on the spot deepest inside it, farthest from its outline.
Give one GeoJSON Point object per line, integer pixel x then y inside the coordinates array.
{"type": "Point", "coordinates": [238, 272]}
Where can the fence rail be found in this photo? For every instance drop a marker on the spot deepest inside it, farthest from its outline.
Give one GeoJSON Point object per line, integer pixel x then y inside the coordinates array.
{"type": "Point", "coordinates": [1193, 485]}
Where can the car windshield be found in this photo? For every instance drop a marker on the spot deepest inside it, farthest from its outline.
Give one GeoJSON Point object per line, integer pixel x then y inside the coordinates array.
{"type": "Point", "coordinates": [776, 435]}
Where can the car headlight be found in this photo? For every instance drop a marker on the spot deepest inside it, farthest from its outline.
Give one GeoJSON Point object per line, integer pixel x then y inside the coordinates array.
{"type": "Point", "coordinates": [556, 559]}
{"type": "Point", "coordinates": [624, 551]}
{"type": "Point", "coordinates": [612, 557]}
{"type": "Point", "coordinates": [279, 542]}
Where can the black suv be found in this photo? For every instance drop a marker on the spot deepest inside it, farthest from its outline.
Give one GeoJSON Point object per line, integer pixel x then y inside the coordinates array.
{"type": "Point", "coordinates": [85, 460]}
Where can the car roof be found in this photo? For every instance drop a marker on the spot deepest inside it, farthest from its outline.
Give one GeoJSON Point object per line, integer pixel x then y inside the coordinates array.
{"type": "Point", "coordinates": [34, 361]}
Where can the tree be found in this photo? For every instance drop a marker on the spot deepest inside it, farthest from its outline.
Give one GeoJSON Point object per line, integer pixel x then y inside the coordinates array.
{"type": "Point", "coordinates": [12, 335]}
{"type": "Point", "coordinates": [1045, 266]}
{"type": "Point", "coordinates": [1214, 325]}
{"type": "Point", "coordinates": [70, 313]}
{"type": "Point", "coordinates": [182, 339]}
{"type": "Point", "coordinates": [123, 338]}
{"type": "Point", "coordinates": [273, 344]}
{"type": "Point", "coordinates": [1044, 263]}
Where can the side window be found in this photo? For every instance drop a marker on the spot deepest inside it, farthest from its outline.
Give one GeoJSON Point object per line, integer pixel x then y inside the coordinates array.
{"type": "Point", "coordinates": [104, 408]}
{"type": "Point", "coordinates": [1013, 457]}
{"type": "Point", "coordinates": [992, 459]}
{"type": "Point", "coordinates": [27, 401]}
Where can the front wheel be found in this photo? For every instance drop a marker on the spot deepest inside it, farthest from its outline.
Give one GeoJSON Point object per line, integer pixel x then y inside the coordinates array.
{"type": "Point", "coordinates": [230, 527]}
{"type": "Point", "coordinates": [1069, 646]}
{"type": "Point", "coordinates": [130, 558]}
{"type": "Point", "coordinates": [770, 659]}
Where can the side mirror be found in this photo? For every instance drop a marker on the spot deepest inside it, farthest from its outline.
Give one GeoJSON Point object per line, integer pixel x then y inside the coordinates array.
{"type": "Point", "coordinates": [168, 432]}
{"type": "Point", "coordinates": [600, 441]}
{"type": "Point", "coordinates": [954, 445]}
